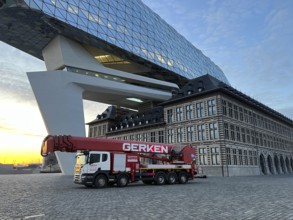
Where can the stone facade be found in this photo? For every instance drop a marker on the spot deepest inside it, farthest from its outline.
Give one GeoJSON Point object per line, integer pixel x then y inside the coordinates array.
{"type": "Point", "coordinates": [234, 134]}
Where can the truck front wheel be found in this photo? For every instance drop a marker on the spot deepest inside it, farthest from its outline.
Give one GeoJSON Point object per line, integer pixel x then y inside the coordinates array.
{"type": "Point", "coordinates": [122, 180]}
{"type": "Point", "coordinates": [101, 181]}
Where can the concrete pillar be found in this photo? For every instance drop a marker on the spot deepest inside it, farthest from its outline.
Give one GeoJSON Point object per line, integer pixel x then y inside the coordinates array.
{"type": "Point", "coordinates": [61, 106]}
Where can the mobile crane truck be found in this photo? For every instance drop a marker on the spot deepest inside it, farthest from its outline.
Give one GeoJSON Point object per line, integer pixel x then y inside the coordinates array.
{"type": "Point", "coordinates": [103, 162]}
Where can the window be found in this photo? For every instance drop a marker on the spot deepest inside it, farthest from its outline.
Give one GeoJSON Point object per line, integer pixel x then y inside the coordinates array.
{"type": "Point", "coordinates": [232, 132]}
{"type": "Point", "coordinates": [258, 120]}
{"type": "Point", "coordinates": [213, 127]}
{"type": "Point", "coordinates": [104, 128]}
{"type": "Point", "coordinates": [170, 135]}
{"type": "Point", "coordinates": [254, 119]}
{"type": "Point", "coordinates": [153, 136]}
{"type": "Point", "coordinates": [236, 112]}
{"type": "Point", "coordinates": [260, 139]}
{"type": "Point", "coordinates": [202, 152]}
{"type": "Point", "coordinates": [224, 107]}
{"type": "Point", "coordinates": [138, 137]}
{"type": "Point", "coordinates": [254, 158]}
{"type": "Point", "coordinates": [91, 132]}
{"type": "Point", "coordinates": [200, 109]}
{"type": "Point", "coordinates": [95, 131]}
{"type": "Point", "coordinates": [237, 133]}
{"type": "Point", "coordinates": [262, 122]}
{"type": "Point", "coordinates": [269, 141]}
{"type": "Point", "coordinates": [250, 117]}
{"type": "Point", "coordinates": [256, 138]}
{"type": "Point", "coordinates": [188, 112]}
{"type": "Point", "coordinates": [99, 131]}
{"type": "Point", "coordinates": [265, 140]}
{"type": "Point", "coordinates": [230, 110]}
{"type": "Point", "coordinates": [144, 137]}
{"type": "Point", "coordinates": [245, 157]}
{"type": "Point", "coordinates": [252, 137]}
{"type": "Point", "coordinates": [169, 115]}
{"type": "Point", "coordinates": [104, 157]}
{"type": "Point", "coordinates": [125, 138]}
{"type": "Point", "coordinates": [179, 135]}
{"type": "Point", "coordinates": [228, 156]}
{"type": "Point", "coordinates": [179, 114]}
{"type": "Point", "coordinates": [240, 157]}
{"type": "Point", "coordinates": [226, 130]}
{"type": "Point", "coordinates": [243, 135]}
{"type": "Point", "coordinates": [215, 155]}
{"type": "Point", "coordinates": [211, 107]}
{"type": "Point", "coordinates": [161, 137]}
{"type": "Point", "coordinates": [95, 158]}
{"type": "Point", "coordinates": [241, 114]}
{"type": "Point", "coordinates": [245, 116]}
{"type": "Point", "coordinates": [234, 156]}
{"type": "Point", "coordinates": [189, 133]}
{"type": "Point", "coordinates": [201, 132]}
{"type": "Point", "coordinates": [248, 135]}
{"type": "Point", "coordinates": [250, 158]}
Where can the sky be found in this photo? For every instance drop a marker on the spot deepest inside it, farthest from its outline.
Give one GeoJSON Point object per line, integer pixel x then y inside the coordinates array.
{"type": "Point", "coordinates": [251, 41]}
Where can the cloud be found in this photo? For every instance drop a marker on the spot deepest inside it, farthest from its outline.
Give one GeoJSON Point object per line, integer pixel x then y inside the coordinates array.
{"type": "Point", "coordinates": [18, 104]}
{"type": "Point", "coordinates": [268, 66]}
{"type": "Point", "coordinates": [249, 40]}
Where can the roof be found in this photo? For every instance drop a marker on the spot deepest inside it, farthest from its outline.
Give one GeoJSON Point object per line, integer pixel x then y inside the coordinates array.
{"type": "Point", "coordinates": [124, 119]}
{"type": "Point", "coordinates": [207, 84]}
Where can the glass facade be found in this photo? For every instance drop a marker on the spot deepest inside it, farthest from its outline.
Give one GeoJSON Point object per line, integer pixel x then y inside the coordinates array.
{"type": "Point", "coordinates": [131, 26]}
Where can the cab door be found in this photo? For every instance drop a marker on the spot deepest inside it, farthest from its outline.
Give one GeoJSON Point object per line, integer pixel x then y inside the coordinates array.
{"type": "Point", "coordinates": [99, 161]}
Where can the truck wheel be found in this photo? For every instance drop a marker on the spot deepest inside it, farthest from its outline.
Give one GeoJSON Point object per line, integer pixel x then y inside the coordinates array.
{"type": "Point", "coordinates": [122, 180]}
{"type": "Point", "coordinates": [171, 178]}
{"type": "Point", "coordinates": [160, 178]}
{"type": "Point", "coordinates": [101, 181]}
{"type": "Point", "coordinates": [182, 177]}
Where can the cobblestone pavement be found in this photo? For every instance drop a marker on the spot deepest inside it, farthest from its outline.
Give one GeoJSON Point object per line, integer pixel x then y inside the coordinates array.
{"type": "Point", "coordinates": [54, 196]}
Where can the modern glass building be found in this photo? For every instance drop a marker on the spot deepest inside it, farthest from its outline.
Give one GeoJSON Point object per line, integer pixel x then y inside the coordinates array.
{"type": "Point", "coordinates": [126, 30]}
{"type": "Point", "coordinates": [117, 52]}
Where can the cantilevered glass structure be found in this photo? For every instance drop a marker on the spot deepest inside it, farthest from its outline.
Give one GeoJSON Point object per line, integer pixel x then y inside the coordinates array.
{"type": "Point", "coordinates": [127, 30]}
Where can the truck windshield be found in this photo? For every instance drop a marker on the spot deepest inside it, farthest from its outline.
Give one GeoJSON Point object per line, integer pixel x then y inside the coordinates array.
{"type": "Point", "coordinates": [81, 159]}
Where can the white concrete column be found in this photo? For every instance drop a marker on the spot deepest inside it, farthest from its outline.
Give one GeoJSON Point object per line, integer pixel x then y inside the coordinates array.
{"type": "Point", "coordinates": [61, 106]}
{"type": "Point", "coordinates": [60, 102]}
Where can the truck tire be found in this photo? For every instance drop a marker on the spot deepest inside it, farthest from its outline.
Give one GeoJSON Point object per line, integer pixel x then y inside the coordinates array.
{"type": "Point", "coordinates": [182, 178]}
{"type": "Point", "coordinates": [122, 180]}
{"type": "Point", "coordinates": [160, 178]}
{"type": "Point", "coordinates": [171, 178]}
{"type": "Point", "coordinates": [101, 181]}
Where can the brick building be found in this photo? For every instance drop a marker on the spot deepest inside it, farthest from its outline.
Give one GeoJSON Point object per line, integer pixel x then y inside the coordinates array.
{"type": "Point", "coordinates": [233, 133]}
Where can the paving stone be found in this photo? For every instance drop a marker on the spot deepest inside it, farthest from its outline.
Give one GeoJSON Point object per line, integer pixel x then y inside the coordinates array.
{"type": "Point", "coordinates": [54, 196]}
